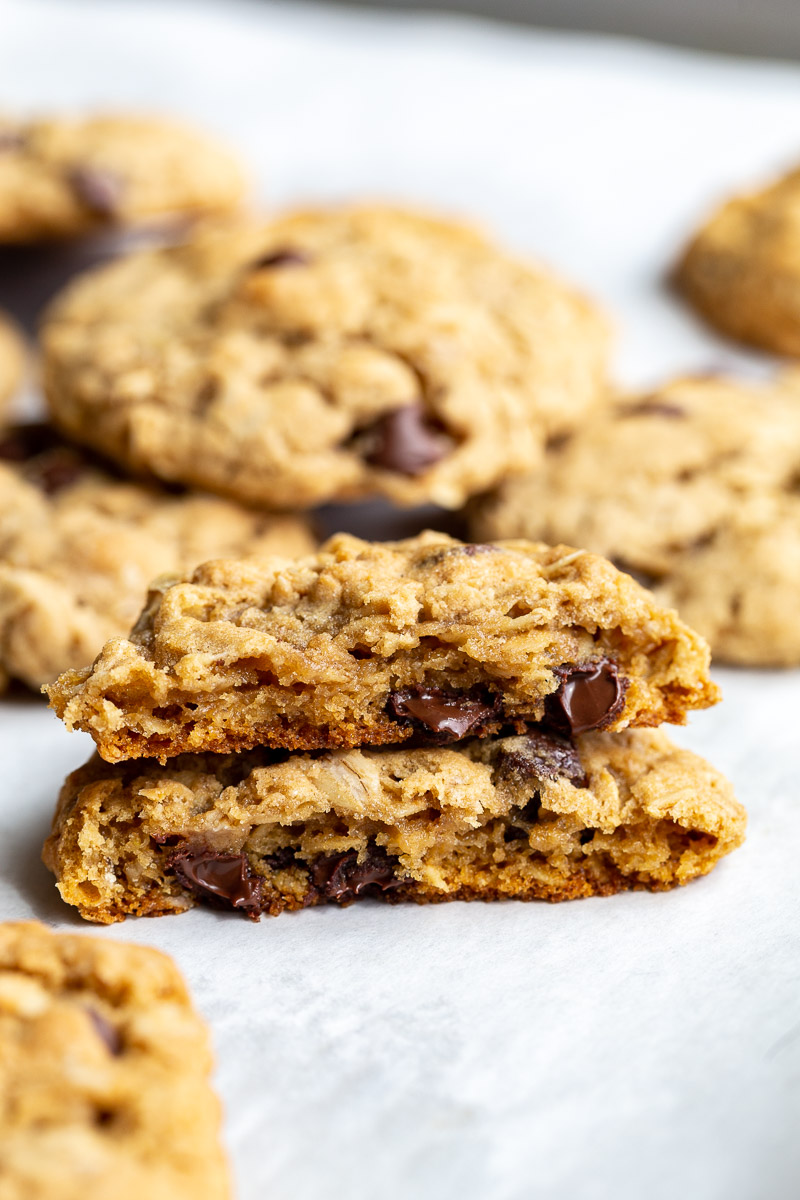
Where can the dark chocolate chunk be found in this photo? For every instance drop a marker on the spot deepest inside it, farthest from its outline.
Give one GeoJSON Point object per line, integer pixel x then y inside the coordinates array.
{"type": "Point", "coordinates": [105, 1031]}
{"type": "Point", "coordinates": [281, 859]}
{"type": "Point", "coordinates": [98, 189]}
{"type": "Point", "coordinates": [653, 407]}
{"type": "Point", "coordinates": [285, 257]}
{"type": "Point", "coordinates": [341, 877]}
{"type": "Point", "coordinates": [405, 441]}
{"type": "Point", "coordinates": [224, 878]}
{"type": "Point", "coordinates": [540, 755]}
{"type": "Point", "coordinates": [448, 716]}
{"type": "Point", "coordinates": [587, 697]}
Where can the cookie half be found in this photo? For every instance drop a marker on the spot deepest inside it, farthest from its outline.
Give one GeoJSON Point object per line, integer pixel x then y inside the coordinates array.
{"type": "Point", "coordinates": [329, 355]}
{"type": "Point", "coordinates": [104, 1074]}
{"type": "Point", "coordinates": [12, 360]}
{"type": "Point", "coordinates": [369, 643]}
{"type": "Point", "coordinates": [531, 818]}
{"type": "Point", "coordinates": [79, 547]}
{"type": "Point", "coordinates": [694, 489]}
{"type": "Point", "coordinates": [62, 178]}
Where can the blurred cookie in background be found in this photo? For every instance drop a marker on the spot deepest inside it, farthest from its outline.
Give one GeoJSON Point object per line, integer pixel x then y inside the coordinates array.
{"type": "Point", "coordinates": [79, 547]}
{"type": "Point", "coordinates": [741, 270]}
{"type": "Point", "coordinates": [12, 363]}
{"type": "Point", "coordinates": [328, 355]}
{"type": "Point", "coordinates": [64, 178]}
{"type": "Point", "coordinates": [695, 490]}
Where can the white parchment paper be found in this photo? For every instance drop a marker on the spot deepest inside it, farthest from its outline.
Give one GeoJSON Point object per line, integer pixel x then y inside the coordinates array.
{"type": "Point", "coordinates": [634, 1047]}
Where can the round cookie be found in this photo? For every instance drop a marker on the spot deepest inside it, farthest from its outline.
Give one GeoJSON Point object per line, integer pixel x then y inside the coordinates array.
{"type": "Point", "coordinates": [12, 360]}
{"type": "Point", "coordinates": [741, 270]}
{"type": "Point", "coordinates": [327, 355]}
{"type": "Point", "coordinates": [62, 178]}
{"type": "Point", "coordinates": [693, 489]}
{"type": "Point", "coordinates": [78, 549]}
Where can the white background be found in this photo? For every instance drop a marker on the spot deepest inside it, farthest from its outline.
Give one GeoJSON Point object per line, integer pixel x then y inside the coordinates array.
{"type": "Point", "coordinates": [634, 1047]}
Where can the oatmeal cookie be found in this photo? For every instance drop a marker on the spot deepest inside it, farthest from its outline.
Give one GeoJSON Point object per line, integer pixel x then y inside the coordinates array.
{"type": "Point", "coordinates": [692, 488]}
{"type": "Point", "coordinates": [327, 355]}
{"type": "Point", "coordinates": [104, 1074]}
{"type": "Point", "coordinates": [527, 817]}
{"type": "Point", "coordinates": [79, 547]}
{"type": "Point", "coordinates": [369, 643]}
{"type": "Point", "coordinates": [62, 178]}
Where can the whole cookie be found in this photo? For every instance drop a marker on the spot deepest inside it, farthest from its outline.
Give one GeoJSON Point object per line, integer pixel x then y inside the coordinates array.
{"type": "Point", "coordinates": [63, 178]}
{"type": "Point", "coordinates": [742, 269]}
{"type": "Point", "coordinates": [12, 357]}
{"type": "Point", "coordinates": [104, 1074]}
{"type": "Point", "coordinates": [328, 355]}
{"type": "Point", "coordinates": [694, 489]}
{"type": "Point", "coordinates": [78, 549]}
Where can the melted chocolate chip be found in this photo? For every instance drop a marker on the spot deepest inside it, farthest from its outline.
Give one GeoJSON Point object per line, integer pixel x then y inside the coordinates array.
{"type": "Point", "coordinates": [221, 878]}
{"type": "Point", "coordinates": [342, 878]}
{"type": "Point", "coordinates": [653, 407]}
{"type": "Point", "coordinates": [285, 257]}
{"type": "Point", "coordinates": [281, 859]}
{"type": "Point", "coordinates": [587, 697]}
{"type": "Point", "coordinates": [540, 755]}
{"type": "Point", "coordinates": [98, 189]}
{"type": "Point", "coordinates": [106, 1032]}
{"type": "Point", "coordinates": [404, 441]}
{"type": "Point", "coordinates": [450, 717]}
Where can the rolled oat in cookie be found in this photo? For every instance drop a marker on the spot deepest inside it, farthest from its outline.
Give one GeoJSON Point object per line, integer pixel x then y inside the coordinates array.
{"type": "Point", "coordinates": [423, 641]}
{"type": "Point", "coordinates": [104, 1074]}
{"type": "Point", "coordinates": [327, 355]}
{"type": "Point", "coordinates": [528, 817]}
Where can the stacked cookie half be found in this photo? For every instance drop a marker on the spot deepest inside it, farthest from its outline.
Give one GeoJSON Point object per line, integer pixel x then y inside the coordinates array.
{"type": "Point", "coordinates": [423, 720]}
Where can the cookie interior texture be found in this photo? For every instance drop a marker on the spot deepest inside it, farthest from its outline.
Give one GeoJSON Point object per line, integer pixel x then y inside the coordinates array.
{"type": "Point", "coordinates": [370, 643]}
{"type": "Point", "coordinates": [104, 1074]}
{"type": "Point", "coordinates": [694, 489]}
{"type": "Point", "coordinates": [79, 547]}
{"type": "Point", "coordinates": [741, 270]}
{"type": "Point", "coordinates": [62, 177]}
{"type": "Point", "coordinates": [328, 355]}
{"type": "Point", "coordinates": [525, 817]}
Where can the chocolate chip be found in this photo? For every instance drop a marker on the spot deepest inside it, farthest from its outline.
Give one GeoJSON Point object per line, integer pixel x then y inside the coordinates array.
{"type": "Point", "coordinates": [450, 716]}
{"type": "Point", "coordinates": [281, 859]}
{"type": "Point", "coordinates": [98, 189]}
{"type": "Point", "coordinates": [341, 877]}
{"type": "Point", "coordinates": [404, 441]}
{"type": "Point", "coordinates": [587, 697]}
{"type": "Point", "coordinates": [540, 755]}
{"type": "Point", "coordinates": [653, 407]}
{"type": "Point", "coordinates": [220, 877]}
{"type": "Point", "coordinates": [105, 1031]}
{"type": "Point", "coordinates": [285, 257]}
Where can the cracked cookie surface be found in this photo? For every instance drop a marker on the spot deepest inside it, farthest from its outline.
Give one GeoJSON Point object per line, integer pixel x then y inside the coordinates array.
{"type": "Point", "coordinates": [63, 177]}
{"type": "Point", "coordinates": [695, 489]}
{"type": "Point", "coordinates": [525, 817]}
{"type": "Point", "coordinates": [741, 270]}
{"type": "Point", "coordinates": [79, 547]}
{"type": "Point", "coordinates": [327, 355]}
{"type": "Point", "coordinates": [104, 1074]}
{"type": "Point", "coordinates": [370, 643]}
